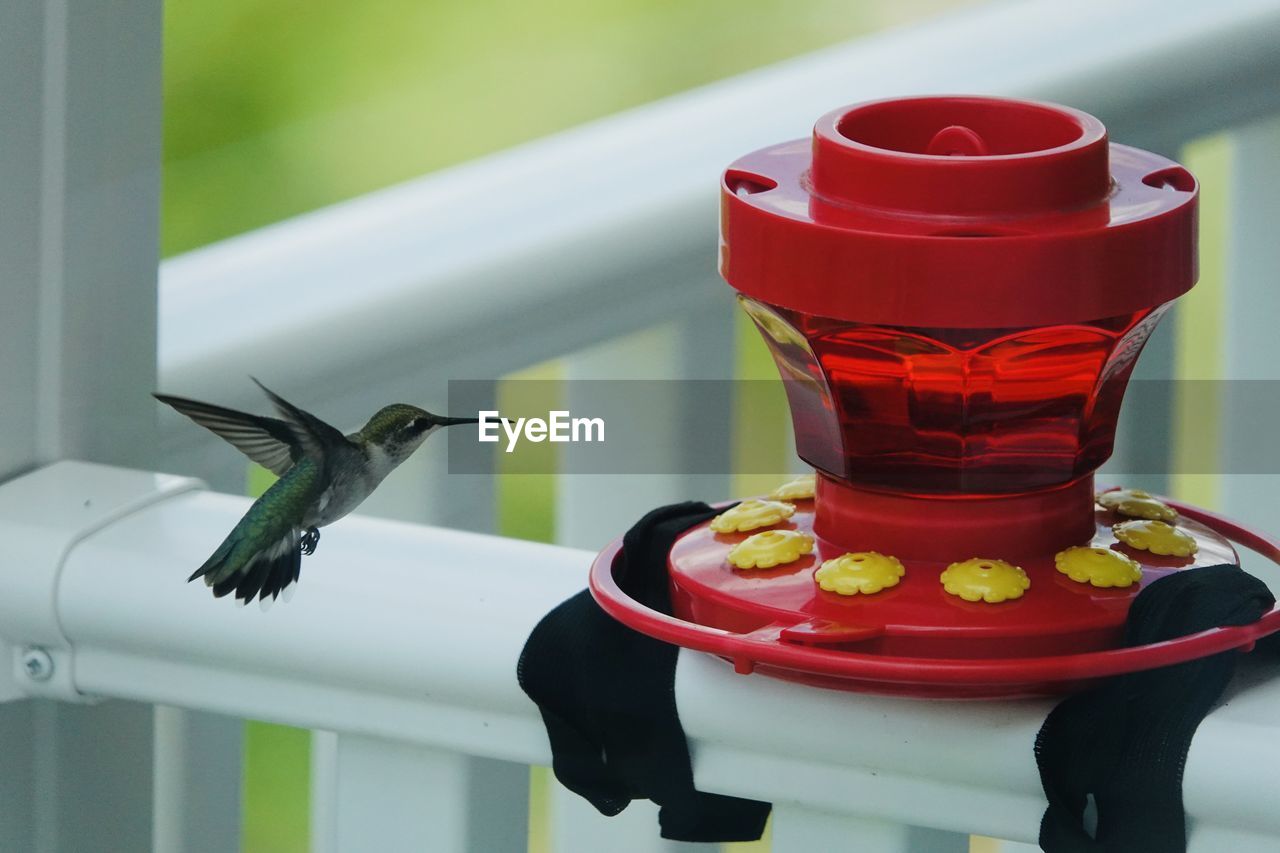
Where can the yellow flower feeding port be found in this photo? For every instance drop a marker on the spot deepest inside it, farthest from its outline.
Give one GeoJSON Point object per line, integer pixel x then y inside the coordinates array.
{"type": "Point", "coordinates": [1156, 537]}
{"type": "Point", "coordinates": [865, 572]}
{"type": "Point", "coordinates": [752, 515]}
{"type": "Point", "coordinates": [1100, 567]}
{"type": "Point", "coordinates": [770, 548]}
{"type": "Point", "coordinates": [1135, 503]}
{"type": "Point", "coordinates": [979, 579]}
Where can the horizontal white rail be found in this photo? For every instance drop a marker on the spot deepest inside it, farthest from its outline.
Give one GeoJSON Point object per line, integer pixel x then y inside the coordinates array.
{"type": "Point", "coordinates": [412, 633]}
{"type": "Point", "coordinates": [611, 227]}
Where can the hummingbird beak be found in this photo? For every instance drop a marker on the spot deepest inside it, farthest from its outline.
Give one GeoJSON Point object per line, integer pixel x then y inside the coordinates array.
{"type": "Point", "coordinates": [455, 421]}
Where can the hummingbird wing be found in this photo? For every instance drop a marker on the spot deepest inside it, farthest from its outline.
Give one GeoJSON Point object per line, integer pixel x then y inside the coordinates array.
{"type": "Point", "coordinates": [268, 441]}
{"type": "Point", "coordinates": [313, 435]}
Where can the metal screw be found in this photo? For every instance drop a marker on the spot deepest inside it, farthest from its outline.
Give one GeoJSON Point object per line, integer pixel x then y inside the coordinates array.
{"type": "Point", "coordinates": [37, 664]}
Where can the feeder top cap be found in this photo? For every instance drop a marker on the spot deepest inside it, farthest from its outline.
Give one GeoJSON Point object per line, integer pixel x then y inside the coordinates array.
{"type": "Point", "coordinates": [960, 156]}
{"type": "Point", "coordinates": [958, 212]}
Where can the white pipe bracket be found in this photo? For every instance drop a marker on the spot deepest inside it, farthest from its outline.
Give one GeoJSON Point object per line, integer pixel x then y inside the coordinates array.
{"type": "Point", "coordinates": [43, 516]}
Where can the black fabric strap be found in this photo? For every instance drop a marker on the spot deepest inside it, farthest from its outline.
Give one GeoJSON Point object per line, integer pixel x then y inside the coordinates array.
{"type": "Point", "coordinates": [1125, 742]}
{"type": "Point", "coordinates": [607, 698]}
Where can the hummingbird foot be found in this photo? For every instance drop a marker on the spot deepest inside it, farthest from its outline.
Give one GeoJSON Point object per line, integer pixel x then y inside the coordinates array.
{"type": "Point", "coordinates": [310, 540]}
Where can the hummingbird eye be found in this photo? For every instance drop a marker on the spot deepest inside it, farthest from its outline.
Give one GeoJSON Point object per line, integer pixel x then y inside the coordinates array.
{"type": "Point", "coordinates": [419, 425]}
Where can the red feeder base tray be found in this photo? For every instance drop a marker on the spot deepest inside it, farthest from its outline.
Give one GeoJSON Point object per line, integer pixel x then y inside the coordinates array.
{"type": "Point", "coordinates": [915, 639]}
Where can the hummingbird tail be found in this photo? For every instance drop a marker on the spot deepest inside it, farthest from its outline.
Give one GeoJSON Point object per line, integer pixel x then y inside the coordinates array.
{"type": "Point", "coordinates": [263, 575]}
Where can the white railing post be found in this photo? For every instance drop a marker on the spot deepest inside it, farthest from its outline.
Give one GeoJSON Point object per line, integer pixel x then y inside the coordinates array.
{"type": "Point", "coordinates": [79, 202]}
{"type": "Point", "coordinates": [593, 508]}
{"type": "Point", "coordinates": [797, 829]}
{"type": "Point", "coordinates": [1252, 348]}
{"type": "Point", "coordinates": [198, 767]}
{"type": "Point", "coordinates": [79, 235]}
{"type": "Point", "coordinates": [576, 827]}
{"type": "Point", "coordinates": [375, 794]}
{"type": "Point", "coordinates": [18, 781]}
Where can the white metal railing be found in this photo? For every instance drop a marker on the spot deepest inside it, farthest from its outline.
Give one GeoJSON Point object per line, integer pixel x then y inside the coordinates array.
{"type": "Point", "coordinates": [409, 635]}
{"type": "Point", "coordinates": [534, 253]}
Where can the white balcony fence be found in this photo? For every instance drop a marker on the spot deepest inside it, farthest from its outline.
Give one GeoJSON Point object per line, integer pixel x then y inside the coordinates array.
{"type": "Point", "coordinates": [596, 245]}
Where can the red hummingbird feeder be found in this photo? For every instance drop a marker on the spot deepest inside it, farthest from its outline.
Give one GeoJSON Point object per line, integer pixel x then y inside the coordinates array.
{"type": "Point", "coordinates": [955, 291]}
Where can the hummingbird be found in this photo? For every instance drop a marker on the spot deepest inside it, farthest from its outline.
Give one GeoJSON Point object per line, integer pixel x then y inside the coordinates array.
{"type": "Point", "coordinates": [323, 475]}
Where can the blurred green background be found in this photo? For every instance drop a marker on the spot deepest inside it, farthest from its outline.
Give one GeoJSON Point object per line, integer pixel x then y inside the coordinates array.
{"type": "Point", "coordinates": [277, 107]}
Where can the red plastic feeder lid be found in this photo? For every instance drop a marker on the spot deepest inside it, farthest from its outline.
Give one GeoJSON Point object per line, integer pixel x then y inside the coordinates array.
{"type": "Point", "coordinates": [959, 212]}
